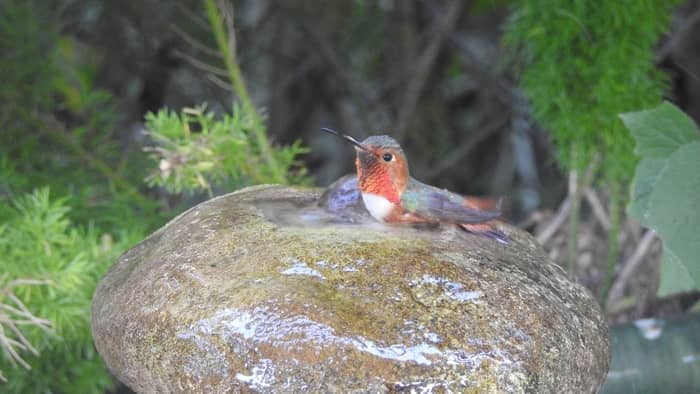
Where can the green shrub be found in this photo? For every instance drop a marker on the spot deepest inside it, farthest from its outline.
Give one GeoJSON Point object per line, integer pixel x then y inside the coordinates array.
{"type": "Point", "coordinates": [57, 133]}
{"type": "Point", "coordinates": [54, 250]}
{"type": "Point", "coordinates": [38, 242]}
{"type": "Point", "coordinates": [219, 152]}
{"type": "Point", "coordinates": [582, 64]}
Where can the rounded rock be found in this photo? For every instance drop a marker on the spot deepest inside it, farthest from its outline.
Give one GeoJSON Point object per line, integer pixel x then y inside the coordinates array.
{"type": "Point", "coordinates": [266, 290]}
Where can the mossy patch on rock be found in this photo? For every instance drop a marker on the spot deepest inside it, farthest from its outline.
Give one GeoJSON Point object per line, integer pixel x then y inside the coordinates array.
{"type": "Point", "coordinates": [266, 289]}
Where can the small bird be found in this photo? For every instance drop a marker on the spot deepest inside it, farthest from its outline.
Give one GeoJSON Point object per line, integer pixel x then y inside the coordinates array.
{"type": "Point", "coordinates": [391, 195]}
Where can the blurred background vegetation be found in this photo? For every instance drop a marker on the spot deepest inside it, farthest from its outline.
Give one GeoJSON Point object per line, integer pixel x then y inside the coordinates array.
{"type": "Point", "coordinates": [116, 116]}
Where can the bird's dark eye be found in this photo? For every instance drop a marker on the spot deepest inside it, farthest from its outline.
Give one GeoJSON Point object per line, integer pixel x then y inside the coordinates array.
{"type": "Point", "coordinates": [387, 157]}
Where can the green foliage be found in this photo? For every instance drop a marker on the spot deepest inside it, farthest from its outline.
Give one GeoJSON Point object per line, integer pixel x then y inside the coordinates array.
{"type": "Point", "coordinates": [584, 63]}
{"type": "Point", "coordinates": [665, 189]}
{"type": "Point", "coordinates": [220, 17]}
{"type": "Point", "coordinates": [38, 241]}
{"type": "Point", "coordinates": [197, 151]}
{"type": "Point", "coordinates": [57, 132]}
{"type": "Point", "coordinates": [58, 128]}
{"type": "Point", "coordinates": [25, 81]}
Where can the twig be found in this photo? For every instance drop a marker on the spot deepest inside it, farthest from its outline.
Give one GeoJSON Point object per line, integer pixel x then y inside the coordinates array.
{"type": "Point", "coordinates": [425, 63]}
{"type": "Point", "coordinates": [196, 19]}
{"type": "Point", "coordinates": [364, 95]}
{"type": "Point", "coordinates": [226, 42]}
{"type": "Point", "coordinates": [221, 83]}
{"type": "Point", "coordinates": [532, 219]}
{"type": "Point", "coordinates": [577, 185]}
{"type": "Point", "coordinates": [226, 10]}
{"type": "Point", "coordinates": [466, 147]}
{"type": "Point", "coordinates": [630, 267]}
{"type": "Point", "coordinates": [39, 322]}
{"type": "Point", "coordinates": [598, 210]}
{"type": "Point", "coordinates": [9, 347]}
{"type": "Point", "coordinates": [13, 316]}
{"type": "Point", "coordinates": [554, 224]}
{"type": "Point", "coordinates": [502, 89]}
{"type": "Point", "coordinates": [200, 64]}
{"type": "Point", "coordinates": [24, 282]}
{"type": "Point", "coordinates": [193, 42]}
{"type": "Point", "coordinates": [613, 241]}
{"type": "Point", "coordinates": [680, 33]}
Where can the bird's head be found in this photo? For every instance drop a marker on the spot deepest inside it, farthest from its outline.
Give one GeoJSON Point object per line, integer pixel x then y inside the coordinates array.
{"type": "Point", "coordinates": [381, 165]}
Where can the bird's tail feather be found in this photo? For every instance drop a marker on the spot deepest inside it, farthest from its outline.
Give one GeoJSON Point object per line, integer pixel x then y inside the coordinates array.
{"type": "Point", "coordinates": [487, 229]}
{"type": "Point", "coordinates": [484, 203]}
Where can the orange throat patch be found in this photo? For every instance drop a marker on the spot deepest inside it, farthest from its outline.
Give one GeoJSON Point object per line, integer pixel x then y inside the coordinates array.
{"type": "Point", "coordinates": [377, 182]}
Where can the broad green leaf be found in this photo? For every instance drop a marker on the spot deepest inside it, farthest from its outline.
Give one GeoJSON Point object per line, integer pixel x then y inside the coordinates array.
{"type": "Point", "coordinates": [645, 177]}
{"type": "Point", "coordinates": [666, 190]}
{"type": "Point", "coordinates": [660, 131]}
{"type": "Point", "coordinates": [674, 208]}
{"type": "Point", "coordinates": [675, 278]}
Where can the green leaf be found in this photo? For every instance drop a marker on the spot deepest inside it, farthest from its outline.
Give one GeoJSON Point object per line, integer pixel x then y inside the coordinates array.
{"type": "Point", "coordinates": [660, 131]}
{"type": "Point", "coordinates": [675, 277]}
{"type": "Point", "coordinates": [665, 190]}
{"type": "Point", "coordinates": [674, 207]}
{"type": "Point", "coordinates": [645, 177]}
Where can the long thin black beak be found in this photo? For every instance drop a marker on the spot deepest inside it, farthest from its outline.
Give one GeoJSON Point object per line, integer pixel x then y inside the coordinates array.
{"type": "Point", "coordinates": [346, 137]}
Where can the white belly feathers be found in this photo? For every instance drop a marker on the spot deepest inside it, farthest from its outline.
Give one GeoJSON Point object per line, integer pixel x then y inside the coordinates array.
{"type": "Point", "coordinates": [378, 206]}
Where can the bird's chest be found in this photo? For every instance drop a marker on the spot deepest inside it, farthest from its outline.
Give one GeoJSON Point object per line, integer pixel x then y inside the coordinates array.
{"type": "Point", "coordinates": [379, 207]}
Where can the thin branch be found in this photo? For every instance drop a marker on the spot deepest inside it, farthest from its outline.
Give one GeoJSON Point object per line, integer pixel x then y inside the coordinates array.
{"type": "Point", "coordinates": [577, 185]}
{"type": "Point", "coordinates": [226, 42]}
{"type": "Point", "coordinates": [24, 282]}
{"type": "Point", "coordinates": [677, 36]}
{"type": "Point", "coordinates": [41, 323]}
{"type": "Point", "coordinates": [226, 10]}
{"type": "Point", "coordinates": [554, 224]}
{"type": "Point", "coordinates": [466, 147]}
{"type": "Point", "coordinates": [364, 95]}
{"type": "Point", "coordinates": [200, 64]}
{"type": "Point", "coordinates": [8, 347]}
{"type": "Point", "coordinates": [598, 210]}
{"type": "Point", "coordinates": [196, 19]}
{"type": "Point", "coordinates": [27, 345]}
{"type": "Point", "coordinates": [419, 78]}
{"type": "Point", "coordinates": [15, 343]}
{"type": "Point", "coordinates": [532, 219]}
{"type": "Point", "coordinates": [630, 267]}
{"type": "Point", "coordinates": [614, 202]}
{"type": "Point", "coordinates": [193, 42]}
{"type": "Point", "coordinates": [500, 87]}
{"type": "Point", "coordinates": [13, 316]}
{"type": "Point", "coordinates": [221, 83]}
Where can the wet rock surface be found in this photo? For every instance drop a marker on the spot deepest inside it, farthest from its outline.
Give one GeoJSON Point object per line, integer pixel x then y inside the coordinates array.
{"type": "Point", "coordinates": [266, 290]}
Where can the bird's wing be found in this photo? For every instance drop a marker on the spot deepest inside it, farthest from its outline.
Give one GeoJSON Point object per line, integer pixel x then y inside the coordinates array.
{"type": "Point", "coordinates": [441, 205]}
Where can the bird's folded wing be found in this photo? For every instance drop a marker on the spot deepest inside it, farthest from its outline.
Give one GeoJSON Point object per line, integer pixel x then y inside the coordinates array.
{"type": "Point", "coordinates": [444, 206]}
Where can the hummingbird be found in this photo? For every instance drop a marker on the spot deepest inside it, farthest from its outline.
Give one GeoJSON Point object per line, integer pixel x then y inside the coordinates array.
{"type": "Point", "coordinates": [391, 195]}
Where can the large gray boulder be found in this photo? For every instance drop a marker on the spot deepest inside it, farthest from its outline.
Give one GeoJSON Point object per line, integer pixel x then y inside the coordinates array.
{"type": "Point", "coordinates": [265, 290]}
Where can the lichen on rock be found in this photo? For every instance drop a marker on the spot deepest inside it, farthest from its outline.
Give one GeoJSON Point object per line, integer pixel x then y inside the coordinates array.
{"type": "Point", "coordinates": [267, 289]}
